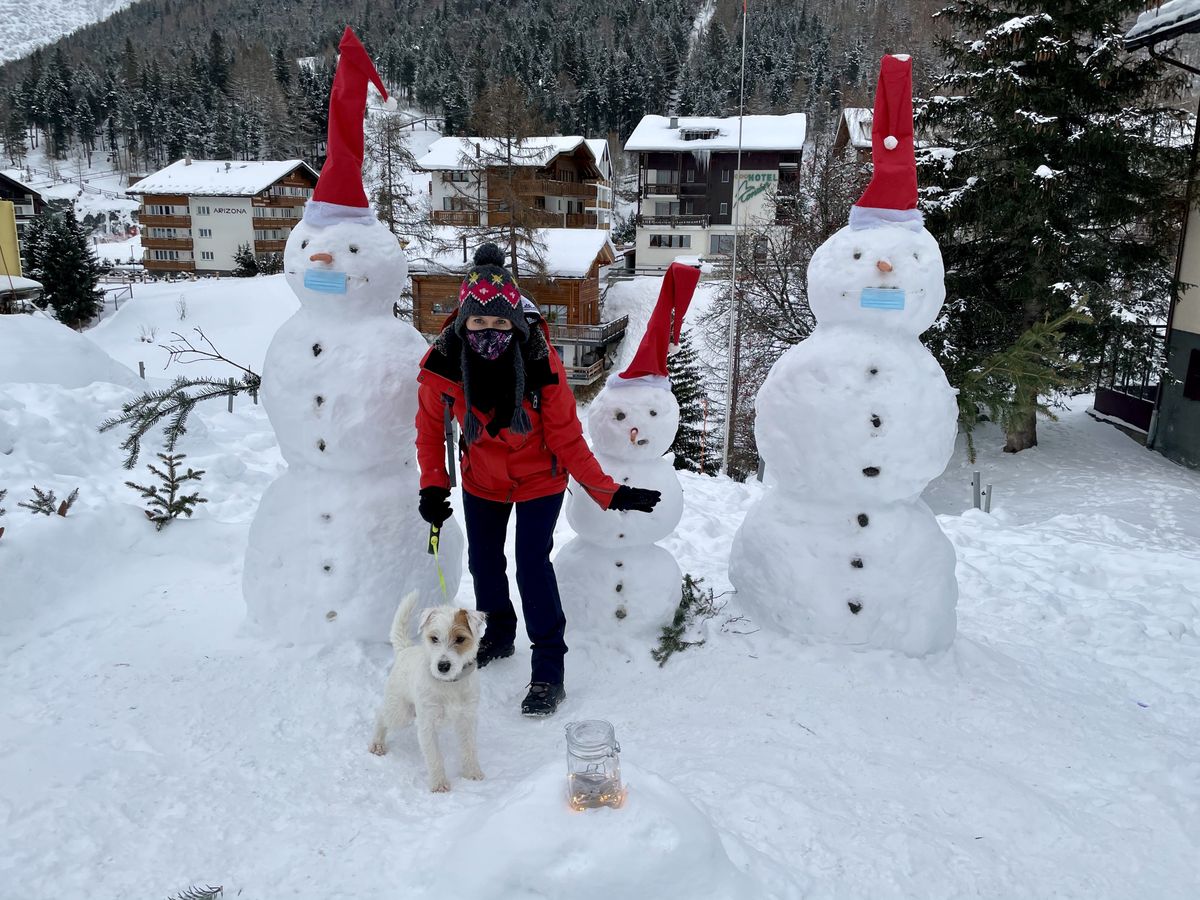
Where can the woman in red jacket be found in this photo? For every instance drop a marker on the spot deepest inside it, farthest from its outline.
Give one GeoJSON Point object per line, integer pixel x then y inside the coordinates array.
{"type": "Point", "coordinates": [521, 437]}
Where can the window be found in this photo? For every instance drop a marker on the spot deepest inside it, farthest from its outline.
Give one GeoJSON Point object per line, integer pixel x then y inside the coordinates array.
{"type": "Point", "coordinates": [678, 241]}
{"type": "Point", "coordinates": [171, 255]}
{"type": "Point", "coordinates": [691, 176]}
{"type": "Point", "coordinates": [721, 245]}
{"type": "Point", "coordinates": [206, 254]}
{"type": "Point", "coordinates": [1191, 380]}
{"type": "Point", "coordinates": [206, 232]}
{"type": "Point", "coordinates": [555, 313]}
{"type": "Point", "coordinates": [204, 210]}
{"type": "Point", "coordinates": [666, 176]}
{"type": "Point", "coordinates": [270, 234]}
{"type": "Point", "coordinates": [276, 212]}
{"type": "Point", "coordinates": [286, 190]}
{"type": "Point", "coordinates": [163, 209]}
{"type": "Point", "coordinates": [457, 175]}
{"type": "Point", "coordinates": [724, 209]}
{"type": "Point", "coordinates": [666, 208]}
{"type": "Point", "coordinates": [169, 234]}
{"type": "Point", "coordinates": [725, 175]}
{"type": "Point", "coordinates": [454, 204]}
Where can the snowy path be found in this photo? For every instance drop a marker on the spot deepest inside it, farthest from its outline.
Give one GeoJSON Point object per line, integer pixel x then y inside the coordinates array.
{"type": "Point", "coordinates": [150, 743]}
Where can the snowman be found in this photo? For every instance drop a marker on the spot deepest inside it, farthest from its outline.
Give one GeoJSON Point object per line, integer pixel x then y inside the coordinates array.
{"type": "Point", "coordinates": [614, 574]}
{"type": "Point", "coordinates": [336, 542]}
{"type": "Point", "coordinates": [854, 422]}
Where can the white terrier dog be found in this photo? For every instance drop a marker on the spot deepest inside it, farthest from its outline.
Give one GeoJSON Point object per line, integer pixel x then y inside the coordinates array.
{"type": "Point", "coordinates": [434, 683]}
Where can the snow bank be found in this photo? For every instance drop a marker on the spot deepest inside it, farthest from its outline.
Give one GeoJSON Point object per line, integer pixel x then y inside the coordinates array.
{"type": "Point", "coordinates": [530, 844]}
{"type": "Point", "coordinates": [40, 350]}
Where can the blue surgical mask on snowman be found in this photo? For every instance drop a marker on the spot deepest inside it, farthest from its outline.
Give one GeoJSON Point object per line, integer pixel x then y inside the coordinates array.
{"type": "Point", "coordinates": [325, 282]}
{"type": "Point", "coordinates": [881, 298]}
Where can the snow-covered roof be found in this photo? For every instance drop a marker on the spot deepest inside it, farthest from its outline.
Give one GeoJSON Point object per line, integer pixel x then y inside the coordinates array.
{"type": "Point", "coordinates": [599, 148]}
{"type": "Point", "coordinates": [566, 252]}
{"type": "Point", "coordinates": [20, 185]}
{"type": "Point", "coordinates": [857, 121]}
{"type": "Point", "coordinates": [448, 152]}
{"type": "Point", "coordinates": [217, 177]}
{"type": "Point", "coordinates": [758, 133]}
{"type": "Point", "coordinates": [17, 283]}
{"type": "Point", "coordinates": [1164, 22]}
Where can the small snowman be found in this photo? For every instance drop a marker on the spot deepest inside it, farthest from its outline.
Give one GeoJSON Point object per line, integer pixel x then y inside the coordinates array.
{"type": "Point", "coordinates": [334, 546]}
{"type": "Point", "coordinates": [613, 574]}
{"type": "Point", "coordinates": [854, 422]}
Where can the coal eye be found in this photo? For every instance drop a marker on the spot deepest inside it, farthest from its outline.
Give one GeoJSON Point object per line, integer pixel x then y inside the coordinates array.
{"type": "Point", "coordinates": [620, 416]}
{"type": "Point", "coordinates": [653, 412]}
{"type": "Point", "coordinates": [303, 244]}
{"type": "Point", "coordinates": [354, 248]}
{"type": "Point", "coordinates": [858, 254]}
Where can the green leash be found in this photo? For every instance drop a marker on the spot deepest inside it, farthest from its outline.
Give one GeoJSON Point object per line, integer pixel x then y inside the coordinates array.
{"type": "Point", "coordinates": [435, 537]}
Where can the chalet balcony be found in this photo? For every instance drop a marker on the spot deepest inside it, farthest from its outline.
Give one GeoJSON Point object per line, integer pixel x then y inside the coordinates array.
{"type": "Point", "coordinates": [592, 335]}
{"type": "Point", "coordinates": [266, 223]}
{"type": "Point", "coordinates": [582, 375]}
{"type": "Point", "coordinates": [169, 265]}
{"type": "Point", "coordinates": [673, 221]}
{"type": "Point", "coordinates": [23, 210]}
{"type": "Point", "coordinates": [550, 187]}
{"type": "Point", "coordinates": [455, 217]}
{"type": "Point", "coordinates": [146, 220]}
{"type": "Point", "coordinates": [153, 243]}
{"type": "Point", "coordinates": [269, 246]}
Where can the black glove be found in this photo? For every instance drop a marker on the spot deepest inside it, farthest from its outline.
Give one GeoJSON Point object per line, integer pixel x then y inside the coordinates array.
{"type": "Point", "coordinates": [435, 505]}
{"type": "Point", "coordinates": [639, 499]}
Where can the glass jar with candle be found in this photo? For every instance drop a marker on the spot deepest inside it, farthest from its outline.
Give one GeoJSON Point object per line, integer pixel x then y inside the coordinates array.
{"type": "Point", "coordinates": [593, 765]}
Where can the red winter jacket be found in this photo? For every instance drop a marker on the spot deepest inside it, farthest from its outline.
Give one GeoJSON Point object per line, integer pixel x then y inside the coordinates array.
{"type": "Point", "coordinates": [509, 467]}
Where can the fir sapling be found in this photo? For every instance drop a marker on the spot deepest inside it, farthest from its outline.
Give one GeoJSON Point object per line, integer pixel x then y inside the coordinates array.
{"type": "Point", "coordinates": [165, 501]}
{"type": "Point", "coordinates": [65, 506]}
{"type": "Point", "coordinates": [696, 605]}
{"type": "Point", "coordinates": [208, 892]}
{"type": "Point", "coordinates": [42, 502]}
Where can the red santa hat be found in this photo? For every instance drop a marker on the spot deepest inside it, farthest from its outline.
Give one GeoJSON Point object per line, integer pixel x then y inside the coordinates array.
{"type": "Point", "coordinates": [649, 364]}
{"type": "Point", "coordinates": [339, 195]}
{"type": "Point", "coordinates": [891, 197]}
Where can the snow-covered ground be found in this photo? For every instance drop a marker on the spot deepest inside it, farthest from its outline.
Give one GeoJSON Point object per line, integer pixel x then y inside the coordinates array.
{"type": "Point", "coordinates": [26, 25]}
{"type": "Point", "coordinates": [151, 741]}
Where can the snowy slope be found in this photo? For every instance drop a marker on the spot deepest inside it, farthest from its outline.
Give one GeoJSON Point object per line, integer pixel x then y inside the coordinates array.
{"type": "Point", "coordinates": [151, 742]}
{"type": "Point", "coordinates": [26, 25]}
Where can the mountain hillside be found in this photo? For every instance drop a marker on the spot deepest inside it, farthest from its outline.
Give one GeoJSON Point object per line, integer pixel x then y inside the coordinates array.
{"type": "Point", "coordinates": [28, 24]}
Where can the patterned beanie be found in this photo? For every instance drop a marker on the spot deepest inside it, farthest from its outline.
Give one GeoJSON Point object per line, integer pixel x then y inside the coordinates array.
{"type": "Point", "coordinates": [489, 289]}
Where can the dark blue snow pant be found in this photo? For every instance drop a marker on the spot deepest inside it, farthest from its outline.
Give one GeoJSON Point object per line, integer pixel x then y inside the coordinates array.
{"type": "Point", "coordinates": [487, 526]}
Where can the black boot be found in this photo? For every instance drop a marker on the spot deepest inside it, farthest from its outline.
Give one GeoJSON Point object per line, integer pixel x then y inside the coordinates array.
{"type": "Point", "coordinates": [542, 699]}
{"type": "Point", "coordinates": [489, 650]}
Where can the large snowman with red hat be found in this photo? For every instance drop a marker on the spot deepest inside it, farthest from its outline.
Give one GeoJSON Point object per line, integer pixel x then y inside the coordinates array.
{"type": "Point", "coordinates": [334, 545]}
{"type": "Point", "coordinates": [854, 422]}
{"type": "Point", "coordinates": [613, 575]}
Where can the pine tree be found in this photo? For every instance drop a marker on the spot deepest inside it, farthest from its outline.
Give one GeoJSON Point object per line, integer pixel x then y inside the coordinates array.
{"type": "Point", "coordinates": [1056, 189]}
{"type": "Point", "coordinates": [247, 262]}
{"type": "Point", "coordinates": [60, 256]}
{"type": "Point", "coordinates": [165, 502]}
{"type": "Point", "coordinates": [693, 447]}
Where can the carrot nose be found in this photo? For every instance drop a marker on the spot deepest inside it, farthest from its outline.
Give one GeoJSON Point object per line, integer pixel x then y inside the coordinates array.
{"type": "Point", "coordinates": [322, 257]}
{"type": "Point", "coordinates": [633, 433]}
{"type": "Point", "coordinates": [883, 265]}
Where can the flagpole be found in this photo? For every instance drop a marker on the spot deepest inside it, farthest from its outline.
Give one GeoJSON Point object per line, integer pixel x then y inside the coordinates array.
{"type": "Point", "coordinates": [731, 387]}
